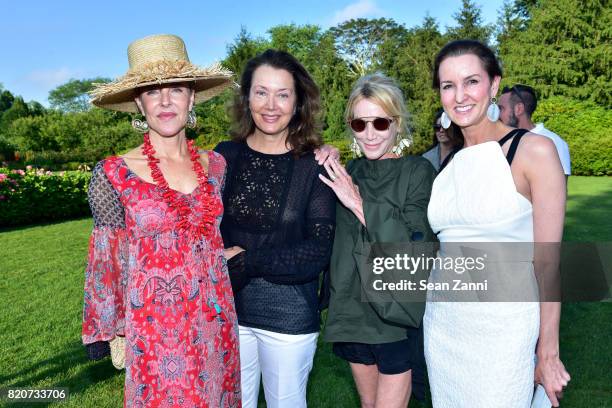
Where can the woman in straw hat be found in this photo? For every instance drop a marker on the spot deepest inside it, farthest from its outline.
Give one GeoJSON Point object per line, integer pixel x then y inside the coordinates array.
{"type": "Point", "coordinates": [278, 226]}
{"type": "Point", "coordinates": [156, 272]}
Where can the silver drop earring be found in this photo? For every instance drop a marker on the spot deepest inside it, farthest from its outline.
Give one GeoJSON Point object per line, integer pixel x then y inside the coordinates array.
{"type": "Point", "coordinates": [493, 110]}
{"type": "Point", "coordinates": [140, 125]}
{"type": "Point", "coordinates": [445, 120]}
{"type": "Point", "coordinates": [191, 120]}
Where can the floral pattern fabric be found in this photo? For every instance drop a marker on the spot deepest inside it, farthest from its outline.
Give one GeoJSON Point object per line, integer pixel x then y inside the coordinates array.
{"type": "Point", "coordinates": [166, 291]}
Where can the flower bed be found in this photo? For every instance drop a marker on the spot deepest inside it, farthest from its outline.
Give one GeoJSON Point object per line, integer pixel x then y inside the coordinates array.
{"type": "Point", "coordinates": [36, 195]}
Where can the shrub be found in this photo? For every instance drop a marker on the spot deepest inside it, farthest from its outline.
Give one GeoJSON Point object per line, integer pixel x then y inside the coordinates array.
{"type": "Point", "coordinates": [7, 150]}
{"type": "Point", "coordinates": [61, 160]}
{"type": "Point", "coordinates": [37, 195]}
{"type": "Point", "coordinates": [586, 129]}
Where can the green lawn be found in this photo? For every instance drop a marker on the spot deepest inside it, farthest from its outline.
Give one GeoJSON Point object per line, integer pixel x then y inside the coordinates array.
{"type": "Point", "coordinates": [41, 271]}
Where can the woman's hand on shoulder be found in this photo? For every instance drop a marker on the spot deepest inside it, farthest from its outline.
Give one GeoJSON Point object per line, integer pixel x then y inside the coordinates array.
{"type": "Point", "coordinates": [342, 184]}
{"type": "Point", "coordinates": [326, 152]}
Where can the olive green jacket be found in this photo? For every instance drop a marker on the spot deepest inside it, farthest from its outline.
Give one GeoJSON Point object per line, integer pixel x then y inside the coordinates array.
{"type": "Point", "coordinates": [395, 194]}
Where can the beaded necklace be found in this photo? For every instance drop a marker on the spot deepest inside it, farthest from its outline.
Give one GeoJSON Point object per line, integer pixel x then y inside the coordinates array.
{"type": "Point", "coordinates": [194, 224]}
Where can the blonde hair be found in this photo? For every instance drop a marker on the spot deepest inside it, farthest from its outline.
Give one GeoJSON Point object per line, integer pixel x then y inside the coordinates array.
{"type": "Point", "coordinates": [384, 92]}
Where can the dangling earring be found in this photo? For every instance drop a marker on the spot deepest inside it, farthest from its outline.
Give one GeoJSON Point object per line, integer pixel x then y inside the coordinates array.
{"type": "Point", "coordinates": [445, 120]}
{"type": "Point", "coordinates": [191, 120]}
{"type": "Point", "coordinates": [140, 125]}
{"type": "Point", "coordinates": [493, 110]}
{"type": "Point", "coordinates": [401, 145]}
{"type": "Point", "coordinates": [355, 148]}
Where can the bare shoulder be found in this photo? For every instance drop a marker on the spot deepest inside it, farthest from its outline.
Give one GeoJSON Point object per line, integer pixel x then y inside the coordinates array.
{"type": "Point", "coordinates": [204, 155]}
{"type": "Point", "coordinates": [537, 147]}
{"type": "Point", "coordinates": [134, 154]}
{"type": "Point", "coordinates": [538, 158]}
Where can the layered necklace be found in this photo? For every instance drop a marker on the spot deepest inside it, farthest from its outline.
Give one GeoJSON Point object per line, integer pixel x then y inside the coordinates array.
{"type": "Point", "coordinates": [194, 224]}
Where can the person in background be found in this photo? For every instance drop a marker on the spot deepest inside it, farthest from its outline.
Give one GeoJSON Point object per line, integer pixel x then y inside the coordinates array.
{"type": "Point", "coordinates": [278, 226]}
{"type": "Point", "coordinates": [383, 199]}
{"type": "Point", "coordinates": [156, 276]}
{"type": "Point", "coordinates": [445, 143]}
{"type": "Point", "coordinates": [516, 105]}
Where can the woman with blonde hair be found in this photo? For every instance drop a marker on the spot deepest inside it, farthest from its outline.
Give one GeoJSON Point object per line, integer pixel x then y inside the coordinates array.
{"type": "Point", "coordinates": [383, 199]}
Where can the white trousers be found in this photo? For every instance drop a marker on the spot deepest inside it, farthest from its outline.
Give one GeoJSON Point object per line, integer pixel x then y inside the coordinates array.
{"type": "Point", "coordinates": [284, 361]}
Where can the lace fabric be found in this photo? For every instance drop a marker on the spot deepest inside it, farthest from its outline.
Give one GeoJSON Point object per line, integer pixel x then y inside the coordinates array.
{"type": "Point", "coordinates": [104, 202]}
{"type": "Point", "coordinates": [278, 210]}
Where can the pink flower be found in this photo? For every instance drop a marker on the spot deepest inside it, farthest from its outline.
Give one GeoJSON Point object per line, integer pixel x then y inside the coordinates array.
{"type": "Point", "coordinates": [3, 177]}
{"type": "Point", "coordinates": [2, 198]}
{"type": "Point", "coordinates": [28, 167]}
{"type": "Point", "coordinates": [20, 172]}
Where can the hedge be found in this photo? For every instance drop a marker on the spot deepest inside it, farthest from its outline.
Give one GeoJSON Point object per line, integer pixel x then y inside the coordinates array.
{"type": "Point", "coordinates": [587, 129]}
{"type": "Point", "coordinates": [40, 196]}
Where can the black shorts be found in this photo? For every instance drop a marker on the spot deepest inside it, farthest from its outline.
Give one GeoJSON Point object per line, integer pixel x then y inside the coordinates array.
{"type": "Point", "coordinates": [390, 358]}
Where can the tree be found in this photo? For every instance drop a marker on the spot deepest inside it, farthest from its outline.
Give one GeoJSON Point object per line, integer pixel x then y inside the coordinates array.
{"type": "Point", "coordinates": [412, 66]}
{"type": "Point", "coordinates": [36, 109]}
{"type": "Point", "coordinates": [334, 78]}
{"type": "Point", "coordinates": [512, 19]}
{"type": "Point", "coordinates": [18, 109]}
{"type": "Point", "coordinates": [358, 41]}
{"type": "Point", "coordinates": [299, 41]}
{"type": "Point", "coordinates": [213, 120]}
{"type": "Point", "coordinates": [241, 50]}
{"type": "Point", "coordinates": [6, 100]}
{"type": "Point", "coordinates": [469, 24]}
{"type": "Point", "coordinates": [565, 50]}
{"type": "Point", "coordinates": [72, 96]}
{"type": "Point", "coordinates": [25, 134]}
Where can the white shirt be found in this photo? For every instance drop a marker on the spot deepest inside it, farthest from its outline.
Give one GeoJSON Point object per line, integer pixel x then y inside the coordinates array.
{"type": "Point", "coordinates": [562, 148]}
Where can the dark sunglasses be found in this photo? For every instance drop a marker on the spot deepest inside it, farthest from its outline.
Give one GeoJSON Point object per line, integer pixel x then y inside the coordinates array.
{"type": "Point", "coordinates": [437, 127]}
{"type": "Point", "coordinates": [380, 124]}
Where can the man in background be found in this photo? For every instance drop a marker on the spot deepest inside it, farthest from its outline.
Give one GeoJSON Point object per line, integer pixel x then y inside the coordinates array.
{"type": "Point", "coordinates": [516, 105]}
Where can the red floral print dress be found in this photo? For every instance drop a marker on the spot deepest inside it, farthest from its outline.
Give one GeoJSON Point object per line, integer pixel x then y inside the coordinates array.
{"type": "Point", "coordinates": [167, 292]}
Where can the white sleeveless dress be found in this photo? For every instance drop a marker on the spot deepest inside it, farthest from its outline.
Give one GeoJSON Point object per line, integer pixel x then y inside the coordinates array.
{"type": "Point", "coordinates": [480, 354]}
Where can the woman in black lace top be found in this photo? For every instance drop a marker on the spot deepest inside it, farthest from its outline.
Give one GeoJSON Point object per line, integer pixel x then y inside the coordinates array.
{"type": "Point", "coordinates": [277, 228]}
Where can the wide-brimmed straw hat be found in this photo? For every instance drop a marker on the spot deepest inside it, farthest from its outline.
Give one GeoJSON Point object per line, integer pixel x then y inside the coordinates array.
{"type": "Point", "coordinates": [155, 60]}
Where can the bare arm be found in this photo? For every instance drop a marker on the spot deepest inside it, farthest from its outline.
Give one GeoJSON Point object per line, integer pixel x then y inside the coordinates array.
{"type": "Point", "coordinates": [548, 192]}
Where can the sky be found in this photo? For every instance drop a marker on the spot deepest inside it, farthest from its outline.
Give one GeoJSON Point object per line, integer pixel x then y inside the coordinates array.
{"type": "Point", "coordinates": [46, 43]}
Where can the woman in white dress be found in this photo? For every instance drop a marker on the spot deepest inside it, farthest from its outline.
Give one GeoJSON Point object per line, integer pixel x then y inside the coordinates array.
{"type": "Point", "coordinates": [482, 354]}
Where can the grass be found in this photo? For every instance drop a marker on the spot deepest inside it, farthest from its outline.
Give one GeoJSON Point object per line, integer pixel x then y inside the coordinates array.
{"type": "Point", "coordinates": [41, 271]}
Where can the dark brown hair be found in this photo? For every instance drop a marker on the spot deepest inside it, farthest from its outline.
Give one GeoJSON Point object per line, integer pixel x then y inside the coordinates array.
{"type": "Point", "coordinates": [524, 94]}
{"type": "Point", "coordinates": [304, 135]}
{"type": "Point", "coordinates": [453, 132]}
{"type": "Point", "coordinates": [464, 47]}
